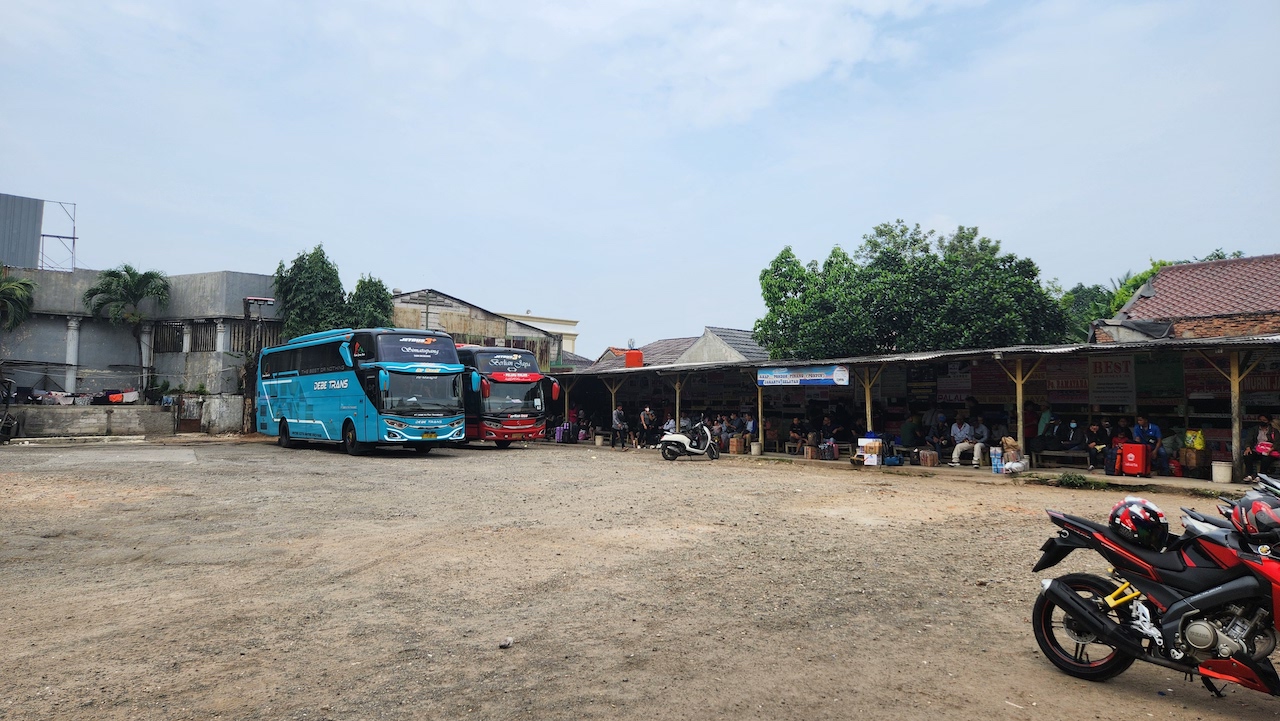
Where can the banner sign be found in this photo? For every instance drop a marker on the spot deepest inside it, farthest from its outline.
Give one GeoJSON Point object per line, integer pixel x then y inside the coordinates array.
{"type": "Point", "coordinates": [1111, 381]}
{"type": "Point", "coordinates": [807, 376]}
{"type": "Point", "coordinates": [1067, 380]}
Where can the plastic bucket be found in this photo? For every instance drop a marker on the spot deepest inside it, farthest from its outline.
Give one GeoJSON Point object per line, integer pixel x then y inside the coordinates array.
{"type": "Point", "coordinates": [599, 441]}
{"type": "Point", "coordinates": [1221, 471]}
{"type": "Point", "coordinates": [757, 448]}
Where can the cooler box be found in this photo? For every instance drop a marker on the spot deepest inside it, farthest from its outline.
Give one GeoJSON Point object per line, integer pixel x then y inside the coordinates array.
{"type": "Point", "coordinates": [1135, 459]}
{"type": "Point", "coordinates": [997, 459]}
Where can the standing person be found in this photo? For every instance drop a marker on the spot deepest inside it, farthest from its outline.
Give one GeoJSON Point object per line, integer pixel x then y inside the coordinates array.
{"type": "Point", "coordinates": [962, 437]}
{"type": "Point", "coordinates": [648, 421]}
{"type": "Point", "coordinates": [1257, 455]}
{"type": "Point", "coordinates": [619, 428]}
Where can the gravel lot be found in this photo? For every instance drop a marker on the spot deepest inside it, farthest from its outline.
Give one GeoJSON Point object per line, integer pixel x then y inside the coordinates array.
{"type": "Point", "coordinates": [247, 581]}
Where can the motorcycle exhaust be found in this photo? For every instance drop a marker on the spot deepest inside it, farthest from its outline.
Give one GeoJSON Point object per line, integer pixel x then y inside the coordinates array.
{"type": "Point", "coordinates": [1101, 625]}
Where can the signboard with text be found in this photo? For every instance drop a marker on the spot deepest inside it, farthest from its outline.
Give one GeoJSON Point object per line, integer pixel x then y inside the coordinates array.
{"type": "Point", "coordinates": [804, 376]}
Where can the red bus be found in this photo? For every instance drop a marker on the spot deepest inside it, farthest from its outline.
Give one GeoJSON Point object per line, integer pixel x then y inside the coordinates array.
{"type": "Point", "coordinates": [510, 405]}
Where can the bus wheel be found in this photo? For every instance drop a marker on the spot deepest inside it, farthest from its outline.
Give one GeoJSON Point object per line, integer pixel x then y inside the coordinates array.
{"type": "Point", "coordinates": [284, 440]}
{"type": "Point", "coordinates": [503, 444]}
{"type": "Point", "coordinates": [349, 442]}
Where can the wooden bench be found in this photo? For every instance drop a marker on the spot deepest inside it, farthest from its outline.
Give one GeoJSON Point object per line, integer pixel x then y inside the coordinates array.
{"type": "Point", "coordinates": [846, 449]}
{"type": "Point", "coordinates": [791, 446]}
{"type": "Point", "coordinates": [1037, 459]}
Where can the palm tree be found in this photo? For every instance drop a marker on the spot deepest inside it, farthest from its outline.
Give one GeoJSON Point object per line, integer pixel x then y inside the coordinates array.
{"type": "Point", "coordinates": [16, 298]}
{"type": "Point", "coordinates": [119, 292]}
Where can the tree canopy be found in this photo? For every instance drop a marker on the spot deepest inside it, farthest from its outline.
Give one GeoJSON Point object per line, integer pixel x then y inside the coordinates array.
{"type": "Point", "coordinates": [311, 299]}
{"type": "Point", "coordinates": [906, 289]}
{"type": "Point", "coordinates": [17, 295]}
{"type": "Point", "coordinates": [370, 304]}
{"type": "Point", "coordinates": [119, 294]}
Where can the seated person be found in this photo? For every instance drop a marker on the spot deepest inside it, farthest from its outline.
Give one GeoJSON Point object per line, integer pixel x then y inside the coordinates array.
{"type": "Point", "coordinates": [963, 439]}
{"type": "Point", "coordinates": [829, 429]}
{"type": "Point", "coordinates": [1122, 433]}
{"type": "Point", "coordinates": [1073, 437]}
{"type": "Point", "coordinates": [1148, 434]}
{"type": "Point", "coordinates": [1051, 438]}
{"type": "Point", "coordinates": [982, 434]}
{"type": "Point", "coordinates": [1097, 441]}
{"type": "Point", "coordinates": [910, 432]}
{"type": "Point", "coordinates": [797, 434]}
{"type": "Point", "coordinates": [939, 435]}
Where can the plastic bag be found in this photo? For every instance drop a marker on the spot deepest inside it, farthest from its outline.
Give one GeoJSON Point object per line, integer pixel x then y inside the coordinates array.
{"type": "Point", "coordinates": [1193, 439]}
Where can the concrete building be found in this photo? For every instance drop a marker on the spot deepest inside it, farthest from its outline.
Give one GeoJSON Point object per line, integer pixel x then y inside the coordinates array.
{"type": "Point", "coordinates": [563, 327]}
{"type": "Point", "coordinates": [430, 309]}
{"type": "Point", "coordinates": [199, 339]}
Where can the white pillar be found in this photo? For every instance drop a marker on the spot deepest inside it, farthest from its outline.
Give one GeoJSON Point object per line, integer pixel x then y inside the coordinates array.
{"type": "Point", "coordinates": [73, 353]}
{"type": "Point", "coordinates": [220, 342]}
{"type": "Point", "coordinates": [186, 337]}
{"type": "Point", "coordinates": [148, 351]}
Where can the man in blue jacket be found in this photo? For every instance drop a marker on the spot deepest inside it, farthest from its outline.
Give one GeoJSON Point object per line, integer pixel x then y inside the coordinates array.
{"type": "Point", "coordinates": [1148, 434]}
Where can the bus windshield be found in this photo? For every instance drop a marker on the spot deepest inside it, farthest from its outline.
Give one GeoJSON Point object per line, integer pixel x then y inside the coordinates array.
{"type": "Point", "coordinates": [514, 398]}
{"type": "Point", "coordinates": [406, 348]}
{"type": "Point", "coordinates": [410, 393]}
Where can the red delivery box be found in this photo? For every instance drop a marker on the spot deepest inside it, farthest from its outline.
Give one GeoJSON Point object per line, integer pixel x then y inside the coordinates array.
{"type": "Point", "coordinates": [1135, 459]}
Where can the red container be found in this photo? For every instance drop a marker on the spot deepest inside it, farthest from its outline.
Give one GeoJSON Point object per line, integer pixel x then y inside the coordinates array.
{"type": "Point", "coordinates": [1135, 459]}
{"type": "Point", "coordinates": [633, 359]}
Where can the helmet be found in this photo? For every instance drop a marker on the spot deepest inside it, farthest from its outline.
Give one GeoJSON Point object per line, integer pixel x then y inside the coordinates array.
{"type": "Point", "coordinates": [1256, 518]}
{"type": "Point", "coordinates": [1139, 522]}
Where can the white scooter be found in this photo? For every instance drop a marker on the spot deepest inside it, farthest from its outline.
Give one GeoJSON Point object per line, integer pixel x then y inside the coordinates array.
{"type": "Point", "coordinates": [697, 442]}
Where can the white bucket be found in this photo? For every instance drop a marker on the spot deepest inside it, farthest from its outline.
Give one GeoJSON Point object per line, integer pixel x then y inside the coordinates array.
{"type": "Point", "coordinates": [599, 441]}
{"type": "Point", "coordinates": [757, 448]}
{"type": "Point", "coordinates": [1221, 471]}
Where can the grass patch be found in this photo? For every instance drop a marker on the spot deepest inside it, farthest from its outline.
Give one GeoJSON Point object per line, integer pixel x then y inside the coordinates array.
{"type": "Point", "coordinates": [1077, 480]}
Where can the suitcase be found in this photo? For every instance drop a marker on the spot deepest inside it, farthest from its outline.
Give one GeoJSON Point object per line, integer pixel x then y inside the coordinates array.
{"type": "Point", "coordinates": [928, 458]}
{"type": "Point", "coordinates": [1109, 460]}
{"type": "Point", "coordinates": [811, 452]}
{"type": "Point", "coordinates": [824, 452]}
{"type": "Point", "coordinates": [559, 434]}
{"type": "Point", "coordinates": [1135, 459]}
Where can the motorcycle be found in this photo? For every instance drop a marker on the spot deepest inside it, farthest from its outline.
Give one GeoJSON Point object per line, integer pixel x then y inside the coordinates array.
{"type": "Point", "coordinates": [697, 442]}
{"type": "Point", "coordinates": [1206, 603]}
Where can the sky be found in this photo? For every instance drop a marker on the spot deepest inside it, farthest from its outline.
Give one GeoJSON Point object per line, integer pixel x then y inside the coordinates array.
{"type": "Point", "coordinates": [635, 164]}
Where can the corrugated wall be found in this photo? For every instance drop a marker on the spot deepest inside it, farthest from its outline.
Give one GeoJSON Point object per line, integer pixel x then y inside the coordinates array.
{"type": "Point", "coordinates": [21, 220]}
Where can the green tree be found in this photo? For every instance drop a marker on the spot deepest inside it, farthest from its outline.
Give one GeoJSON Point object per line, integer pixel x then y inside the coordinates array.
{"type": "Point", "coordinates": [309, 294]}
{"type": "Point", "coordinates": [120, 294]}
{"type": "Point", "coordinates": [906, 289]}
{"type": "Point", "coordinates": [1084, 304]}
{"type": "Point", "coordinates": [17, 295]}
{"type": "Point", "coordinates": [370, 304]}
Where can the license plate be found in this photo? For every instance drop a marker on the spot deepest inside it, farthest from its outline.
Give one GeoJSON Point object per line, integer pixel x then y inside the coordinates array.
{"type": "Point", "coordinates": [518, 436]}
{"type": "Point", "coordinates": [428, 436]}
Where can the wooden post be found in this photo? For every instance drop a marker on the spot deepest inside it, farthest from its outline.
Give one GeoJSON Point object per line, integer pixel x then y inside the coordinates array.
{"type": "Point", "coordinates": [1019, 378]}
{"type": "Point", "coordinates": [759, 417]}
{"type": "Point", "coordinates": [867, 381]}
{"type": "Point", "coordinates": [1235, 377]}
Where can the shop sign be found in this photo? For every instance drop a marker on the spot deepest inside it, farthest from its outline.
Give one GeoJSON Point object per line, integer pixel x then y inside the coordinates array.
{"type": "Point", "coordinates": [1111, 381]}
{"type": "Point", "coordinates": [804, 376]}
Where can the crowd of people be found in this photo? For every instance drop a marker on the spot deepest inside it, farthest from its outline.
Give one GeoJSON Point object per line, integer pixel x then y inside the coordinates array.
{"type": "Point", "coordinates": [952, 434]}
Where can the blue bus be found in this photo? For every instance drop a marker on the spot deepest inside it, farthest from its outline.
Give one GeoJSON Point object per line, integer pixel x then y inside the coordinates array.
{"type": "Point", "coordinates": [361, 388]}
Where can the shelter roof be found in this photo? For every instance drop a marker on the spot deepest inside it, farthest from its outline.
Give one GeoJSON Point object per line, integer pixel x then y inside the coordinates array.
{"type": "Point", "coordinates": [659, 352]}
{"type": "Point", "coordinates": [1219, 287]}
{"type": "Point", "coordinates": [741, 341]}
{"type": "Point", "coordinates": [1010, 352]}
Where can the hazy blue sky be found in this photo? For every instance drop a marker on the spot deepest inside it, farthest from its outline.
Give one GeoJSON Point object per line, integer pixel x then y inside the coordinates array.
{"type": "Point", "coordinates": [635, 163]}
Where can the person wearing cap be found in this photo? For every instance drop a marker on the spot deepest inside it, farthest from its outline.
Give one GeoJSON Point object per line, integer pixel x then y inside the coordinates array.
{"type": "Point", "coordinates": [1097, 441]}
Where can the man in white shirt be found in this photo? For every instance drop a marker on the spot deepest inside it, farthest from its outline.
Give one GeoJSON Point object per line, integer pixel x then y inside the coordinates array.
{"type": "Point", "coordinates": [962, 435]}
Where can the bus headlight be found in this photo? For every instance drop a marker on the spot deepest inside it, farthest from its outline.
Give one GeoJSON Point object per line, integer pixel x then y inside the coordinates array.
{"type": "Point", "coordinates": [396, 424]}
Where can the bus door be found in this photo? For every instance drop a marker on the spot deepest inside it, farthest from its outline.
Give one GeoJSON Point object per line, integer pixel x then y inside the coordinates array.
{"type": "Point", "coordinates": [367, 407]}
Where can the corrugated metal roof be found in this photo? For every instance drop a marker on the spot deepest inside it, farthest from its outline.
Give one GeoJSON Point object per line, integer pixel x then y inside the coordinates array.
{"type": "Point", "coordinates": [21, 220]}
{"type": "Point", "coordinates": [1009, 352]}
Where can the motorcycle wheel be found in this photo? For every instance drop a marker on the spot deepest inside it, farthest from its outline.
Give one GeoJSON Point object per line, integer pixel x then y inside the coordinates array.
{"type": "Point", "coordinates": [669, 452]}
{"type": "Point", "coordinates": [713, 451]}
{"type": "Point", "coordinates": [1070, 647]}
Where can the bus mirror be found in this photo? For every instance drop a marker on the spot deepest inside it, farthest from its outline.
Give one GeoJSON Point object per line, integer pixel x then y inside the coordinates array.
{"type": "Point", "coordinates": [384, 381]}
{"type": "Point", "coordinates": [344, 350]}
{"type": "Point", "coordinates": [485, 388]}
{"type": "Point", "coordinates": [555, 390]}
{"type": "Point", "coordinates": [475, 382]}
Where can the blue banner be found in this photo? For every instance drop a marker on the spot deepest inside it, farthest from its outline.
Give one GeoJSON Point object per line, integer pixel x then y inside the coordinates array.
{"type": "Point", "coordinates": [803, 376]}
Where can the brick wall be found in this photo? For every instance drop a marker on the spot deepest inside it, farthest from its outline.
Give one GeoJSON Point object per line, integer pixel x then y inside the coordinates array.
{"type": "Point", "coordinates": [1241, 324]}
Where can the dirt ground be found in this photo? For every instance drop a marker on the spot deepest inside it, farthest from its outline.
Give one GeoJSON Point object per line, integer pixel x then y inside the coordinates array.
{"type": "Point", "coordinates": [247, 581]}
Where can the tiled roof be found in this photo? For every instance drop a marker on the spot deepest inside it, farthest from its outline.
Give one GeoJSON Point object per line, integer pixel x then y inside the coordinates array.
{"type": "Point", "coordinates": [741, 341]}
{"type": "Point", "coordinates": [659, 352]}
{"type": "Point", "coordinates": [1219, 287]}
{"type": "Point", "coordinates": [573, 359]}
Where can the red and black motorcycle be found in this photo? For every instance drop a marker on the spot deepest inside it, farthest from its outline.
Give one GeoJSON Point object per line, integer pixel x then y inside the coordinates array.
{"type": "Point", "coordinates": [1206, 602]}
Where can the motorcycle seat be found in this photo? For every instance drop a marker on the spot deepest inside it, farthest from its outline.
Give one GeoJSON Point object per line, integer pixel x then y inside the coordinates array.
{"type": "Point", "coordinates": [1169, 560]}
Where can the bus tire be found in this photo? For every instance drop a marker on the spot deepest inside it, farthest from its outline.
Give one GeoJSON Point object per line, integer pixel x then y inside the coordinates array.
{"type": "Point", "coordinates": [502, 444]}
{"type": "Point", "coordinates": [349, 443]}
{"type": "Point", "coordinates": [284, 440]}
